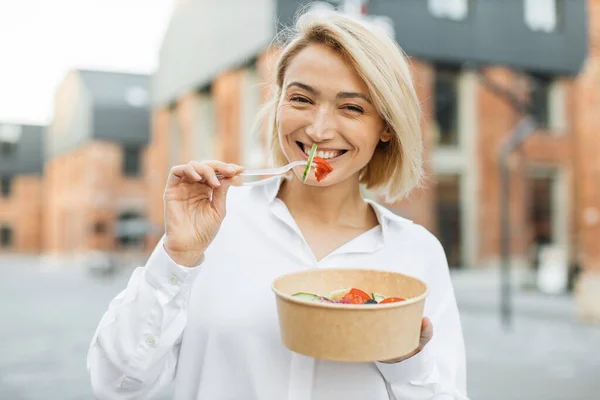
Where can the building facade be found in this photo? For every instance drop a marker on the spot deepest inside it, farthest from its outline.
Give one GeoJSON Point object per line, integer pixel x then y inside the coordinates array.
{"type": "Point", "coordinates": [95, 195]}
{"type": "Point", "coordinates": [21, 171]}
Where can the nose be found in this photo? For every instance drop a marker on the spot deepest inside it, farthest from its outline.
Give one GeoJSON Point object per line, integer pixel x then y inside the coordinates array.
{"type": "Point", "coordinates": [323, 126]}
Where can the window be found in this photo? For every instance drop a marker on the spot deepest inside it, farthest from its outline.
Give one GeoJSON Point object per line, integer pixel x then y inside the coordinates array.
{"type": "Point", "coordinates": [132, 161]}
{"type": "Point", "coordinates": [540, 101]}
{"type": "Point", "coordinates": [449, 217]}
{"type": "Point", "coordinates": [540, 207]}
{"type": "Point", "coordinates": [542, 15]}
{"type": "Point", "coordinates": [7, 148]}
{"type": "Point", "coordinates": [542, 216]}
{"type": "Point", "coordinates": [131, 229]}
{"type": "Point", "coordinates": [5, 186]}
{"type": "Point", "coordinates": [455, 10]}
{"type": "Point", "coordinates": [99, 228]}
{"type": "Point", "coordinates": [446, 106]}
{"type": "Point", "coordinates": [6, 236]}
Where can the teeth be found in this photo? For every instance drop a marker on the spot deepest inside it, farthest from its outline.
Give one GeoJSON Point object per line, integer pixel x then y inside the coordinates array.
{"type": "Point", "coordinates": [324, 154]}
{"type": "Point", "coordinates": [328, 154]}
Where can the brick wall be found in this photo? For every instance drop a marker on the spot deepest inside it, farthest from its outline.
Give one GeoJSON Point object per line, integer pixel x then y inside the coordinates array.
{"type": "Point", "coordinates": [587, 147]}
{"type": "Point", "coordinates": [157, 170]}
{"type": "Point", "coordinates": [84, 192]}
{"type": "Point", "coordinates": [586, 104]}
{"type": "Point", "coordinates": [420, 206]}
{"type": "Point", "coordinates": [183, 120]}
{"type": "Point", "coordinates": [496, 119]}
{"type": "Point", "coordinates": [227, 90]}
{"type": "Point", "coordinates": [65, 203]}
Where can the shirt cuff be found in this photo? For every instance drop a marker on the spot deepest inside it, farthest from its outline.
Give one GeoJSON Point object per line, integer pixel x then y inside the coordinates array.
{"type": "Point", "coordinates": [417, 367]}
{"type": "Point", "coordinates": [164, 273]}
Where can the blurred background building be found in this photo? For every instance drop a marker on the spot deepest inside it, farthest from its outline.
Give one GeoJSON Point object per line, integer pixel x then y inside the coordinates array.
{"type": "Point", "coordinates": [95, 195]}
{"type": "Point", "coordinates": [21, 180]}
{"type": "Point", "coordinates": [115, 136]}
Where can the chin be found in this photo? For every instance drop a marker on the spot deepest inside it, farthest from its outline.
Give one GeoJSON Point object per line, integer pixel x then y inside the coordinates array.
{"type": "Point", "coordinates": [312, 181]}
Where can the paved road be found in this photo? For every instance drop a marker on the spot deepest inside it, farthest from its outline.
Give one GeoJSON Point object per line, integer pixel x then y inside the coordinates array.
{"type": "Point", "coordinates": [548, 354]}
{"type": "Point", "coordinates": [48, 317]}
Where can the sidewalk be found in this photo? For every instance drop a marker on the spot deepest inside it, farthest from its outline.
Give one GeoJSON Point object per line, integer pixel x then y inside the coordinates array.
{"type": "Point", "coordinates": [547, 354]}
{"type": "Point", "coordinates": [480, 291]}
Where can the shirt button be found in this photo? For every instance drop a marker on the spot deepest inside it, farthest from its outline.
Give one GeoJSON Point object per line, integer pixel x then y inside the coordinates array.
{"type": "Point", "coordinates": [151, 340]}
{"type": "Point", "coordinates": [173, 279]}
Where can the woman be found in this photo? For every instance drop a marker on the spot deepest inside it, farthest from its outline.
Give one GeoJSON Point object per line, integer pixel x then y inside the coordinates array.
{"type": "Point", "coordinates": [201, 312]}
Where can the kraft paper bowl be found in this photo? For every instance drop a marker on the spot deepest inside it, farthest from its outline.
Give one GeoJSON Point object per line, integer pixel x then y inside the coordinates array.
{"type": "Point", "coordinates": [347, 332]}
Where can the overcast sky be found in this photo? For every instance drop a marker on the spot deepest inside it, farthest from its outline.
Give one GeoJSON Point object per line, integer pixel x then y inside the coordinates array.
{"type": "Point", "coordinates": [40, 40]}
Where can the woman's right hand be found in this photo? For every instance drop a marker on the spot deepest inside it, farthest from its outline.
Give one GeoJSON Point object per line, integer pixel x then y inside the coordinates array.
{"type": "Point", "coordinates": [194, 202]}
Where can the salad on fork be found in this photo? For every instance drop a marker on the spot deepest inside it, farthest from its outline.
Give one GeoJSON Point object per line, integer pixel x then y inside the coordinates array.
{"type": "Point", "coordinates": [322, 168]}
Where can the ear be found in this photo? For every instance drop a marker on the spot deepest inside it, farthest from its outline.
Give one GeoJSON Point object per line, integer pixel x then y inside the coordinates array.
{"type": "Point", "coordinates": [386, 135]}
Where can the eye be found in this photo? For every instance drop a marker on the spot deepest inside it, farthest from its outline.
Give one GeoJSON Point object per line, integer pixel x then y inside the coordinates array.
{"type": "Point", "coordinates": [300, 99]}
{"type": "Point", "coordinates": [355, 109]}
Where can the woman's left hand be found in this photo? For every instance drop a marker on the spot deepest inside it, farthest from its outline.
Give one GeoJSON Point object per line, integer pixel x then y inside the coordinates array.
{"type": "Point", "coordinates": [426, 335]}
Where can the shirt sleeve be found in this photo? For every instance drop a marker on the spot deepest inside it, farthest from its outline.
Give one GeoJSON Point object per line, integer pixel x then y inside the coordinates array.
{"type": "Point", "coordinates": [134, 351]}
{"type": "Point", "coordinates": [439, 370]}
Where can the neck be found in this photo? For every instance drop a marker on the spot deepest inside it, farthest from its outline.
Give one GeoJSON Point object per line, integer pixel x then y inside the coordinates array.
{"type": "Point", "coordinates": [340, 204]}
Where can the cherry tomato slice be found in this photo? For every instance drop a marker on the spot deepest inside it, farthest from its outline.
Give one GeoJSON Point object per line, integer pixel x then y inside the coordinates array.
{"type": "Point", "coordinates": [352, 298]}
{"type": "Point", "coordinates": [360, 293]}
{"type": "Point", "coordinates": [322, 169]}
{"type": "Point", "coordinates": [391, 300]}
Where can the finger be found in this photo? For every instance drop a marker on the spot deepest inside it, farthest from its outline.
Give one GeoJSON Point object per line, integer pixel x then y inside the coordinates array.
{"type": "Point", "coordinates": [427, 325]}
{"type": "Point", "coordinates": [426, 330]}
{"type": "Point", "coordinates": [183, 172]}
{"type": "Point", "coordinates": [219, 197]}
{"type": "Point", "coordinates": [237, 181]}
{"type": "Point", "coordinates": [227, 170]}
{"type": "Point", "coordinates": [207, 173]}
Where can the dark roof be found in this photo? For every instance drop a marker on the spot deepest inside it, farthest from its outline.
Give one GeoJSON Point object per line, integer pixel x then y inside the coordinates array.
{"type": "Point", "coordinates": [121, 111]}
{"type": "Point", "coordinates": [110, 88]}
{"type": "Point", "coordinates": [493, 32]}
{"type": "Point", "coordinates": [25, 156]}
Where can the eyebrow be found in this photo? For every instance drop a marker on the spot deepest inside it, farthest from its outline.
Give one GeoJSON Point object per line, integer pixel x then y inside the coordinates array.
{"type": "Point", "coordinates": [340, 95]}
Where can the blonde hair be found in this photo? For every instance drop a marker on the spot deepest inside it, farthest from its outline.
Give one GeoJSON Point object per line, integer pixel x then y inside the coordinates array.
{"type": "Point", "coordinates": [396, 166]}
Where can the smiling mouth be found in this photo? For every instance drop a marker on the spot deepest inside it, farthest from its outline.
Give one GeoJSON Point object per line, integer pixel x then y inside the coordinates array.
{"type": "Point", "coordinates": [326, 155]}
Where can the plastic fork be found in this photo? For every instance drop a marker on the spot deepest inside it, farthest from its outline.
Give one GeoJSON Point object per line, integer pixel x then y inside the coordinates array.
{"type": "Point", "coordinates": [270, 171]}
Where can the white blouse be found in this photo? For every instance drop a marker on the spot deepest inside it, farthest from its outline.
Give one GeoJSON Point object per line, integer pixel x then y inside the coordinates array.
{"type": "Point", "coordinates": [213, 329]}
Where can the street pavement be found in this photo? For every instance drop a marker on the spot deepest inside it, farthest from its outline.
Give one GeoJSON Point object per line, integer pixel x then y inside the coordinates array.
{"type": "Point", "coordinates": [547, 353]}
{"type": "Point", "coordinates": [48, 316]}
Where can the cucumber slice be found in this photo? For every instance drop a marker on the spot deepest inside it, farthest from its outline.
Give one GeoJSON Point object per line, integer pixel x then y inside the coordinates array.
{"type": "Point", "coordinates": [312, 297]}
{"type": "Point", "coordinates": [311, 156]}
{"type": "Point", "coordinates": [307, 296]}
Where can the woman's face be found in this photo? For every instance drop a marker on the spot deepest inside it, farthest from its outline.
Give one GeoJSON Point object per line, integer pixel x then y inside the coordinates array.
{"type": "Point", "coordinates": [324, 101]}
